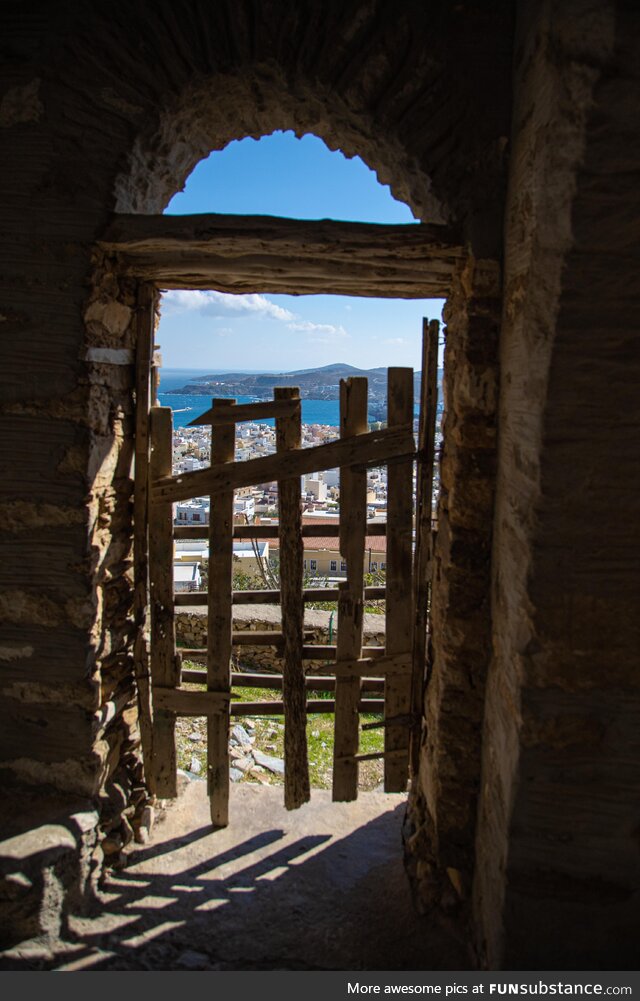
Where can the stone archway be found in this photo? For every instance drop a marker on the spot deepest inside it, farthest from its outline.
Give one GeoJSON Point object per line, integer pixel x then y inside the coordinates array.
{"type": "Point", "coordinates": [443, 802]}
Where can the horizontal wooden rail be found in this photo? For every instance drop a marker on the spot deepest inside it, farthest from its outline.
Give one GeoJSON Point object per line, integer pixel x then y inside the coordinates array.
{"type": "Point", "coordinates": [324, 530]}
{"type": "Point", "coordinates": [243, 637]}
{"type": "Point", "coordinates": [313, 683]}
{"type": "Point", "coordinates": [265, 254]}
{"type": "Point", "coordinates": [325, 652]}
{"type": "Point", "coordinates": [372, 756]}
{"type": "Point", "coordinates": [196, 598]}
{"type": "Point", "coordinates": [408, 719]}
{"type": "Point", "coordinates": [220, 415]}
{"type": "Point", "coordinates": [373, 706]}
{"type": "Point", "coordinates": [310, 652]}
{"type": "Point", "coordinates": [372, 448]}
{"type": "Point", "coordinates": [399, 664]}
{"type": "Point", "coordinates": [188, 703]}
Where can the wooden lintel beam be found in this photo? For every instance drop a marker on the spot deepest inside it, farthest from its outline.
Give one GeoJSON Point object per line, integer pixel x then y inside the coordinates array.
{"type": "Point", "coordinates": [267, 254]}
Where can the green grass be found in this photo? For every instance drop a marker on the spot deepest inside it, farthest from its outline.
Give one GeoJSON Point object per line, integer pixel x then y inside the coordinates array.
{"type": "Point", "coordinates": [269, 734]}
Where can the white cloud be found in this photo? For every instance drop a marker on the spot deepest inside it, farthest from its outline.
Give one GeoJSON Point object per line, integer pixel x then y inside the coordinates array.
{"type": "Point", "coordinates": [222, 304]}
{"type": "Point", "coordinates": [225, 305]}
{"type": "Point", "coordinates": [320, 328]}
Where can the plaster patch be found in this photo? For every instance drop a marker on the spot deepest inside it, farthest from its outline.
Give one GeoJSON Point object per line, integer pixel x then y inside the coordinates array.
{"type": "Point", "coordinates": [11, 653]}
{"type": "Point", "coordinates": [21, 104]}
{"type": "Point", "coordinates": [18, 606]}
{"type": "Point", "coordinates": [111, 315]}
{"type": "Point", "coordinates": [118, 103]}
{"type": "Point", "coordinates": [84, 696]}
{"type": "Point", "coordinates": [110, 356]}
{"type": "Point", "coordinates": [22, 516]}
{"type": "Point", "coordinates": [69, 775]}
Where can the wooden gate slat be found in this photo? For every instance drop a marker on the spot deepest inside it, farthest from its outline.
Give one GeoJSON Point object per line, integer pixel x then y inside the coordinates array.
{"type": "Point", "coordinates": [165, 670]}
{"type": "Point", "coordinates": [399, 605]}
{"type": "Point", "coordinates": [144, 352]}
{"type": "Point", "coordinates": [296, 771]}
{"type": "Point", "coordinates": [424, 491]}
{"type": "Point", "coordinates": [220, 624]}
{"type": "Point", "coordinates": [353, 520]}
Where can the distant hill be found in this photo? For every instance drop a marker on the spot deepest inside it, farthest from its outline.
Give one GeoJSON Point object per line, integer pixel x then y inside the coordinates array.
{"type": "Point", "coordinates": [315, 383]}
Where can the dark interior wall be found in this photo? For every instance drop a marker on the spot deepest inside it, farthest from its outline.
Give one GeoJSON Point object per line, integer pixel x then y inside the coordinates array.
{"type": "Point", "coordinates": [558, 871]}
{"type": "Point", "coordinates": [108, 106]}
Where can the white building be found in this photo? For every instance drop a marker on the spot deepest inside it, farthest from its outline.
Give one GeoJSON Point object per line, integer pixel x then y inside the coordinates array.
{"type": "Point", "coordinates": [188, 463]}
{"type": "Point", "coordinates": [332, 477]}
{"type": "Point", "coordinates": [315, 485]}
{"type": "Point", "coordinates": [245, 507]}
{"type": "Point", "coordinates": [188, 551]}
{"type": "Point", "coordinates": [186, 576]}
{"type": "Point", "coordinates": [192, 512]}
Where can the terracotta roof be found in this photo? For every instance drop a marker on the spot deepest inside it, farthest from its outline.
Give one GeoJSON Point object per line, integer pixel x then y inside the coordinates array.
{"type": "Point", "coordinates": [376, 543]}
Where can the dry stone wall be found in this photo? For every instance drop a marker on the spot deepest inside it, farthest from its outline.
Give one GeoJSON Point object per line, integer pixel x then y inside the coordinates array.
{"type": "Point", "coordinates": [191, 631]}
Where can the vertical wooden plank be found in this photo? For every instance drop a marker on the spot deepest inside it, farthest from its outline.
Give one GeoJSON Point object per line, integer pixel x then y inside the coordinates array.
{"type": "Point", "coordinates": [164, 666]}
{"type": "Point", "coordinates": [156, 365]}
{"type": "Point", "coordinates": [353, 521]}
{"type": "Point", "coordinates": [296, 771]}
{"type": "Point", "coordinates": [422, 555]}
{"type": "Point", "coordinates": [145, 322]}
{"type": "Point", "coordinates": [399, 604]}
{"type": "Point", "coordinates": [220, 624]}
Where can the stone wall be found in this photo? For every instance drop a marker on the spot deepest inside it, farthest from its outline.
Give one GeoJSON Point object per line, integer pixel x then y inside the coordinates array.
{"type": "Point", "coordinates": [191, 631]}
{"type": "Point", "coordinates": [558, 872]}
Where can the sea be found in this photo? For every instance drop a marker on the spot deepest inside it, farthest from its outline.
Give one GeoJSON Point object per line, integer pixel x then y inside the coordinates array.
{"type": "Point", "coordinates": [187, 408]}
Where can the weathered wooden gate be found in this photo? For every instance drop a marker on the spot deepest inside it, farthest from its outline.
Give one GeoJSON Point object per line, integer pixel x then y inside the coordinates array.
{"type": "Point", "coordinates": [397, 671]}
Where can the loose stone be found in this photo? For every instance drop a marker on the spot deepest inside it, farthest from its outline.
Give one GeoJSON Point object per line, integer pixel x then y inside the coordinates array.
{"type": "Point", "coordinates": [275, 765]}
{"type": "Point", "coordinates": [244, 764]}
{"type": "Point", "coordinates": [241, 736]}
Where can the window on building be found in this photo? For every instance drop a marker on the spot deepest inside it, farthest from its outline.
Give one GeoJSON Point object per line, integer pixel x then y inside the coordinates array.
{"type": "Point", "coordinates": [304, 564]}
{"type": "Point", "coordinates": [383, 566]}
{"type": "Point", "coordinates": [314, 564]}
{"type": "Point", "coordinates": [374, 565]}
{"type": "Point", "coordinates": [196, 516]}
{"type": "Point", "coordinates": [333, 565]}
{"type": "Point", "coordinates": [343, 566]}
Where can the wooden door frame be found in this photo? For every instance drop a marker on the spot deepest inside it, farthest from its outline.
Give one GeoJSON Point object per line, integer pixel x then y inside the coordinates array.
{"type": "Point", "coordinates": [262, 254]}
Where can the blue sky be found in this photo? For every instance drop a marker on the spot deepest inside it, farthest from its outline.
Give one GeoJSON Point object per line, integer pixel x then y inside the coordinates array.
{"type": "Point", "coordinates": [300, 178]}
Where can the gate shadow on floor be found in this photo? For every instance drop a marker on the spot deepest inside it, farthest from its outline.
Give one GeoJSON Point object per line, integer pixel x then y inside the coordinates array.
{"type": "Point", "coordinates": [283, 898]}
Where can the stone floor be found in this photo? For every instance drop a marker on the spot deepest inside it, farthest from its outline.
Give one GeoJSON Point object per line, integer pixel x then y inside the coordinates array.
{"type": "Point", "coordinates": [320, 888]}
